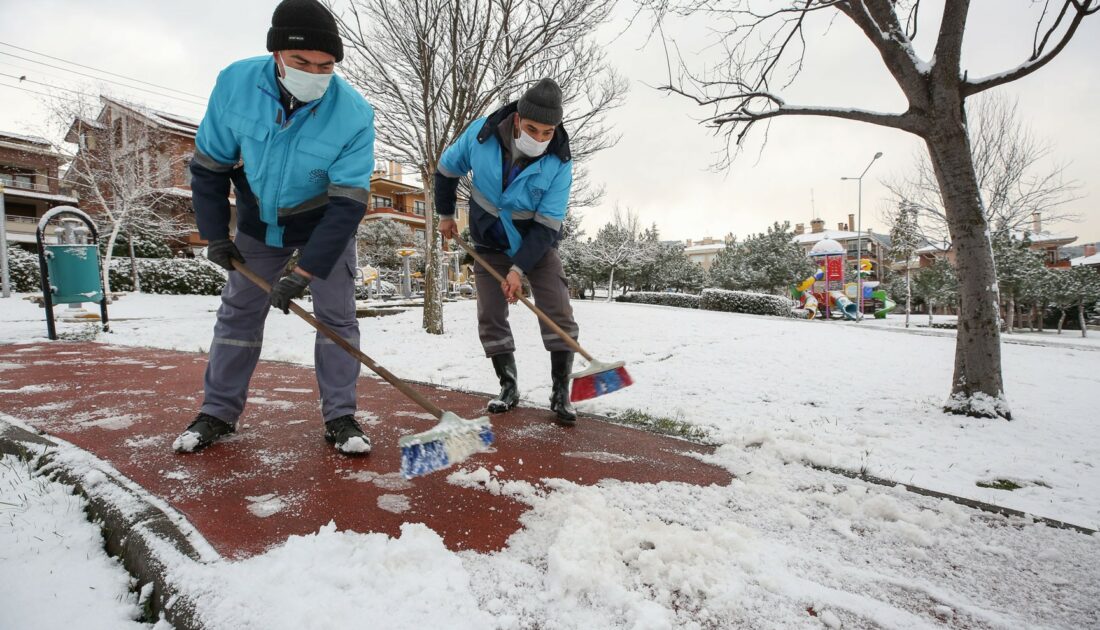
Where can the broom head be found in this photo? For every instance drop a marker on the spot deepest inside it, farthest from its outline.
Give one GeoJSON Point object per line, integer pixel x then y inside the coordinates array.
{"type": "Point", "coordinates": [598, 379]}
{"type": "Point", "coordinates": [446, 444]}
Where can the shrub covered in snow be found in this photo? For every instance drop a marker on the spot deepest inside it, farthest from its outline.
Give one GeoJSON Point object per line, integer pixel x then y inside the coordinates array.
{"type": "Point", "coordinates": [682, 300]}
{"type": "Point", "coordinates": [744, 302]}
{"type": "Point", "coordinates": [23, 268]}
{"type": "Point", "coordinates": [171, 276]}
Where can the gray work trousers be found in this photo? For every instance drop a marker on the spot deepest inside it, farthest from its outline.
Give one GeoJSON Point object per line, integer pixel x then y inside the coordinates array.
{"type": "Point", "coordinates": [551, 293]}
{"type": "Point", "coordinates": [239, 333]}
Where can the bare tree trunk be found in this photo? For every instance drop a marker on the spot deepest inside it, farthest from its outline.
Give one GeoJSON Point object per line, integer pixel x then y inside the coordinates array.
{"type": "Point", "coordinates": [1081, 319]}
{"type": "Point", "coordinates": [1040, 315]}
{"type": "Point", "coordinates": [1010, 321]}
{"type": "Point", "coordinates": [433, 267]}
{"type": "Point", "coordinates": [107, 258]}
{"type": "Point", "coordinates": [133, 263]}
{"type": "Point", "coordinates": [977, 386]}
{"type": "Point", "coordinates": [931, 308]}
{"type": "Point", "coordinates": [908, 293]}
{"type": "Point", "coordinates": [610, 285]}
{"type": "Point", "coordinates": [1061, 320]}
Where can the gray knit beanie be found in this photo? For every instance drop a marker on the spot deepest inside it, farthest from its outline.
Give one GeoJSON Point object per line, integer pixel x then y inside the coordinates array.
{"type": "Point", "coordinates": [542, 103]}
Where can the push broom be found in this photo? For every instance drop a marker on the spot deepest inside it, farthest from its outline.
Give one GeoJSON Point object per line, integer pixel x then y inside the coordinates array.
{"type": "Point", "coordinates": [449, 442]}
{"type": "Point", "coordinates": [598, 378]}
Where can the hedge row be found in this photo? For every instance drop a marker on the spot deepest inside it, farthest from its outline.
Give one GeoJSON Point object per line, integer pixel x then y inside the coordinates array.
{"type": "Point", "coordinates": [172, 276]}
{"type": "Point", "coordinates": [745, 302]}
{"type": "Point", "coordinates": [717, 300]}
{"type": "Point", "coordinates": [682, 300]}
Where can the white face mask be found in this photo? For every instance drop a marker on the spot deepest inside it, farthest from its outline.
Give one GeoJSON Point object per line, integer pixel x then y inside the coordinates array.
{"type": "Point", "coordinates": [530, 147]}
{"type": "Point", "coordinates": [304, 86]}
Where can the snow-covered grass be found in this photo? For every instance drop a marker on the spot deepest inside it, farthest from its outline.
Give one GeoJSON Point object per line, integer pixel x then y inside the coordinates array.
{"type": "Point", "coordinates": [784, 546]}
{"type": "Point", "coordinates": [53, 570]}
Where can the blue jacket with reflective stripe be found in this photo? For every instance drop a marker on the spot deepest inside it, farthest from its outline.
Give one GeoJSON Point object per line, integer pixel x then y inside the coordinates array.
{"type": "Point", "coordinates": [523, 219]}
{"type": "Point", "coordinates": [304, 181]}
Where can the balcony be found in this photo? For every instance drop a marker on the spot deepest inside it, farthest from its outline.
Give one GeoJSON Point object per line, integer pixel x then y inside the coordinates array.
{"type": "Point", "coordinates": [22, 182]}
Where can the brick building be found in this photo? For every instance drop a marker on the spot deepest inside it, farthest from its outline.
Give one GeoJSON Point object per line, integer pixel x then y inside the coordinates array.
{"type": "Point", "coordinates": [30, 173]}
{"type": "Point", "coordinates": [150, 150]}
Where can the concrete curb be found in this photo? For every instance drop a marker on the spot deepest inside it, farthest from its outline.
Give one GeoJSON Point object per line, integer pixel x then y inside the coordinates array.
{"type": "Point", "coordinates": [137, 534]}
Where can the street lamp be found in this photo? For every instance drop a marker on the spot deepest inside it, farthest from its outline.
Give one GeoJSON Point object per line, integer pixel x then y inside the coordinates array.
{"type": "Point", "coordinates": [859, 235]}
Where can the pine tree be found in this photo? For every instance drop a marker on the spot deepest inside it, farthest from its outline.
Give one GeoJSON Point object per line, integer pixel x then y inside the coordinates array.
{"type": "Point", "coordinates": [1019, 273]}
{"type": "Point", "coordinates": [904, 240]}
{"type": "Point", "coordinates": [937, 285]}
{"type": "Point", "coordinates": [767, 262]}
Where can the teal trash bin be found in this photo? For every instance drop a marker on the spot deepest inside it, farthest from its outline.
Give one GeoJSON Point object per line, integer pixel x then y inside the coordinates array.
{"type": "Point", "coordinates": [74, 273]}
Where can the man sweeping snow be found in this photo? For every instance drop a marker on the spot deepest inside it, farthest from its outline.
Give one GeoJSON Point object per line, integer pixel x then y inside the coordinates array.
{"type": "Point", "coordinates": [522, 174]}
{"type": "Point", "coordinates": [297, 142]}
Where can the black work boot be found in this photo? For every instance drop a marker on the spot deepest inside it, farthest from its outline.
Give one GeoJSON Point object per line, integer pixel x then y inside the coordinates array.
{"type": "Point", "coordinates": [561, 364]}
{"type": "Point", "coordinates": [505, 366]}
{"type": "Point", "coordinates": [204, 431]}
{"type": "Point", "coordinates": [345, 434]}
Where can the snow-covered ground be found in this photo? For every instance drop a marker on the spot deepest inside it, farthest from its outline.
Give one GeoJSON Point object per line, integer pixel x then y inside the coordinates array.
{"type": "Point", "coordinates": [858, 396]}
{"type": "Point", "coordinates": [780, 540]}
{"type": "Point", "coordinates": [53, 570]}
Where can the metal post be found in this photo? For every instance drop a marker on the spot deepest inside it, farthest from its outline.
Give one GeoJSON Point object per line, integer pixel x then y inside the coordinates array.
{"type": "Point", "coordinates": [859, 237]}
{"type": "Point", "coordinates": [406, 278]}
{"type": "Point", "coordinates": [4, 271]}
{"type": "Point", "coordinates": [859, 248]}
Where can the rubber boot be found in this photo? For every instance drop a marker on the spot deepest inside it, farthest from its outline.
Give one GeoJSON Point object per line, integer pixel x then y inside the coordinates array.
{"type": "Point", "coordinates": [561, 365]}
{"type": "Point", "coordinates": [505, 366]}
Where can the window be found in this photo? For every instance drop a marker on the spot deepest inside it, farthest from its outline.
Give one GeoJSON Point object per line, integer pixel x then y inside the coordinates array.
{"type": "Point", "coordinates": [418, 207]}
{"type": "Point", "coordinates": [17, 180]}
{"type": "Point", "coordinates": [379, 201]}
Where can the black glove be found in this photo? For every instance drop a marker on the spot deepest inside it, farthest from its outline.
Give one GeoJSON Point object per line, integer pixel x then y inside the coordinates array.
{"type": "Point", "coordinates": [291, 286]}
{"type": "Point", "coordinates": [222, 252]}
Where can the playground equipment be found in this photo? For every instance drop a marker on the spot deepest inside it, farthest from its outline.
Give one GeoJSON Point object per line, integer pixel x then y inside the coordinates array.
{"type": "Point", "coordinates": [70, 269]}
{"type": "Point", "coordinates": [826, 292]}
{"type": "Point", "coordinates": [369, 276]}
{"type": "Point", "coordinates": [406, 253]}
{"type": "Point", "coordinates": [888, 304]}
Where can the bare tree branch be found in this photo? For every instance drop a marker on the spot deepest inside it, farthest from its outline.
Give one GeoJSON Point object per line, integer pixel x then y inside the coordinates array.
{"type": "Point", "coordinates": [1040, 58]}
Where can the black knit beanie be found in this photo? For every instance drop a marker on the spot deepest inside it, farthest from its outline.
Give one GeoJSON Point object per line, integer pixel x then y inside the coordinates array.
{"type": "Point", "coordinates": [304, 25]}
{"type": "Point", "coordinates": [542, 103]}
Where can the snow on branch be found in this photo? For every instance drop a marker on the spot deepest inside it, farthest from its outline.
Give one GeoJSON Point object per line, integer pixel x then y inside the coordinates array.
{"type": "Point", "coordinates": [1040, 54]}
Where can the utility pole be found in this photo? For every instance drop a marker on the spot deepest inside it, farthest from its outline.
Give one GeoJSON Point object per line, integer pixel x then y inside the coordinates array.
{"type": "Point", "coordinates": [859, 236]}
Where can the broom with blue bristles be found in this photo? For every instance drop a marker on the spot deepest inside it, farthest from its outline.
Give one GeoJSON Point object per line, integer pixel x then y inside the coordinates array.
{"type": "Point", "coordinates": [598, 378]}
{"type": "Point", "coordinates": [451, 441]}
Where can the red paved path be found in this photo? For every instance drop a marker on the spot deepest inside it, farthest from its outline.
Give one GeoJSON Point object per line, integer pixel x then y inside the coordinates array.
{"type": "Point", "coordinates": [126, 405]}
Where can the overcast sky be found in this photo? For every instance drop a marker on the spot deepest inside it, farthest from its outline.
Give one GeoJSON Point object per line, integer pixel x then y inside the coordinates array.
{"type": "Point", "coordinates": [660, 168]}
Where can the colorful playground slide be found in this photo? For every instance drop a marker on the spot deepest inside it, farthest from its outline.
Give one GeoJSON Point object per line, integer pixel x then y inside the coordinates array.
{"type": "Point", "coordinates": [847, 307]}
{"type": "Point", "coordinates": [887, 304]}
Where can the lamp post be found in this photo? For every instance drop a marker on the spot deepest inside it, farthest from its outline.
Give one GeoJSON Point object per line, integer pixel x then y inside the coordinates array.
{"type": "Point", "coordinates": [859, 235]}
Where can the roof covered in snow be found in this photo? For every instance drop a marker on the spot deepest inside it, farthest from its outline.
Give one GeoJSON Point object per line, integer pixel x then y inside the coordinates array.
{"type": "Point", "coordinates": [1087, 261]}
{"type": "Point", "coordinates": [7, 135]}
{"type": "Point", "coordinates": [168, 121]}
{"type": "Point", "coordinates": [704, 249]}
{"type": "Point", "coordinates": [1050, 238]}
{"type": "Point", "coordinates": [839, 235]}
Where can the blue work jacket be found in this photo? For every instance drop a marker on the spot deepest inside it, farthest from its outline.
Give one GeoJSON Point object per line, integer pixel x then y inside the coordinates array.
{"type": "Point", "coordinates": [302, 180]}
{"type": "Point", "coordinates": [524, 217]}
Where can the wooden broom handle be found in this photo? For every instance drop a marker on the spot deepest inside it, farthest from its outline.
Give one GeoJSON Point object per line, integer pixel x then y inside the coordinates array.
{"type": "Point", "coordinates": [403, 387]}
{"type": "Point", "coordinates": [537, 311]}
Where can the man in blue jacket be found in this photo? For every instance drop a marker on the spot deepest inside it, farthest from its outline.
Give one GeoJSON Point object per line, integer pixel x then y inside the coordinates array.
{"type": "Point", "coordinates": [522, 174]}
{"type": "Point", "coordinates": [297, 142]}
